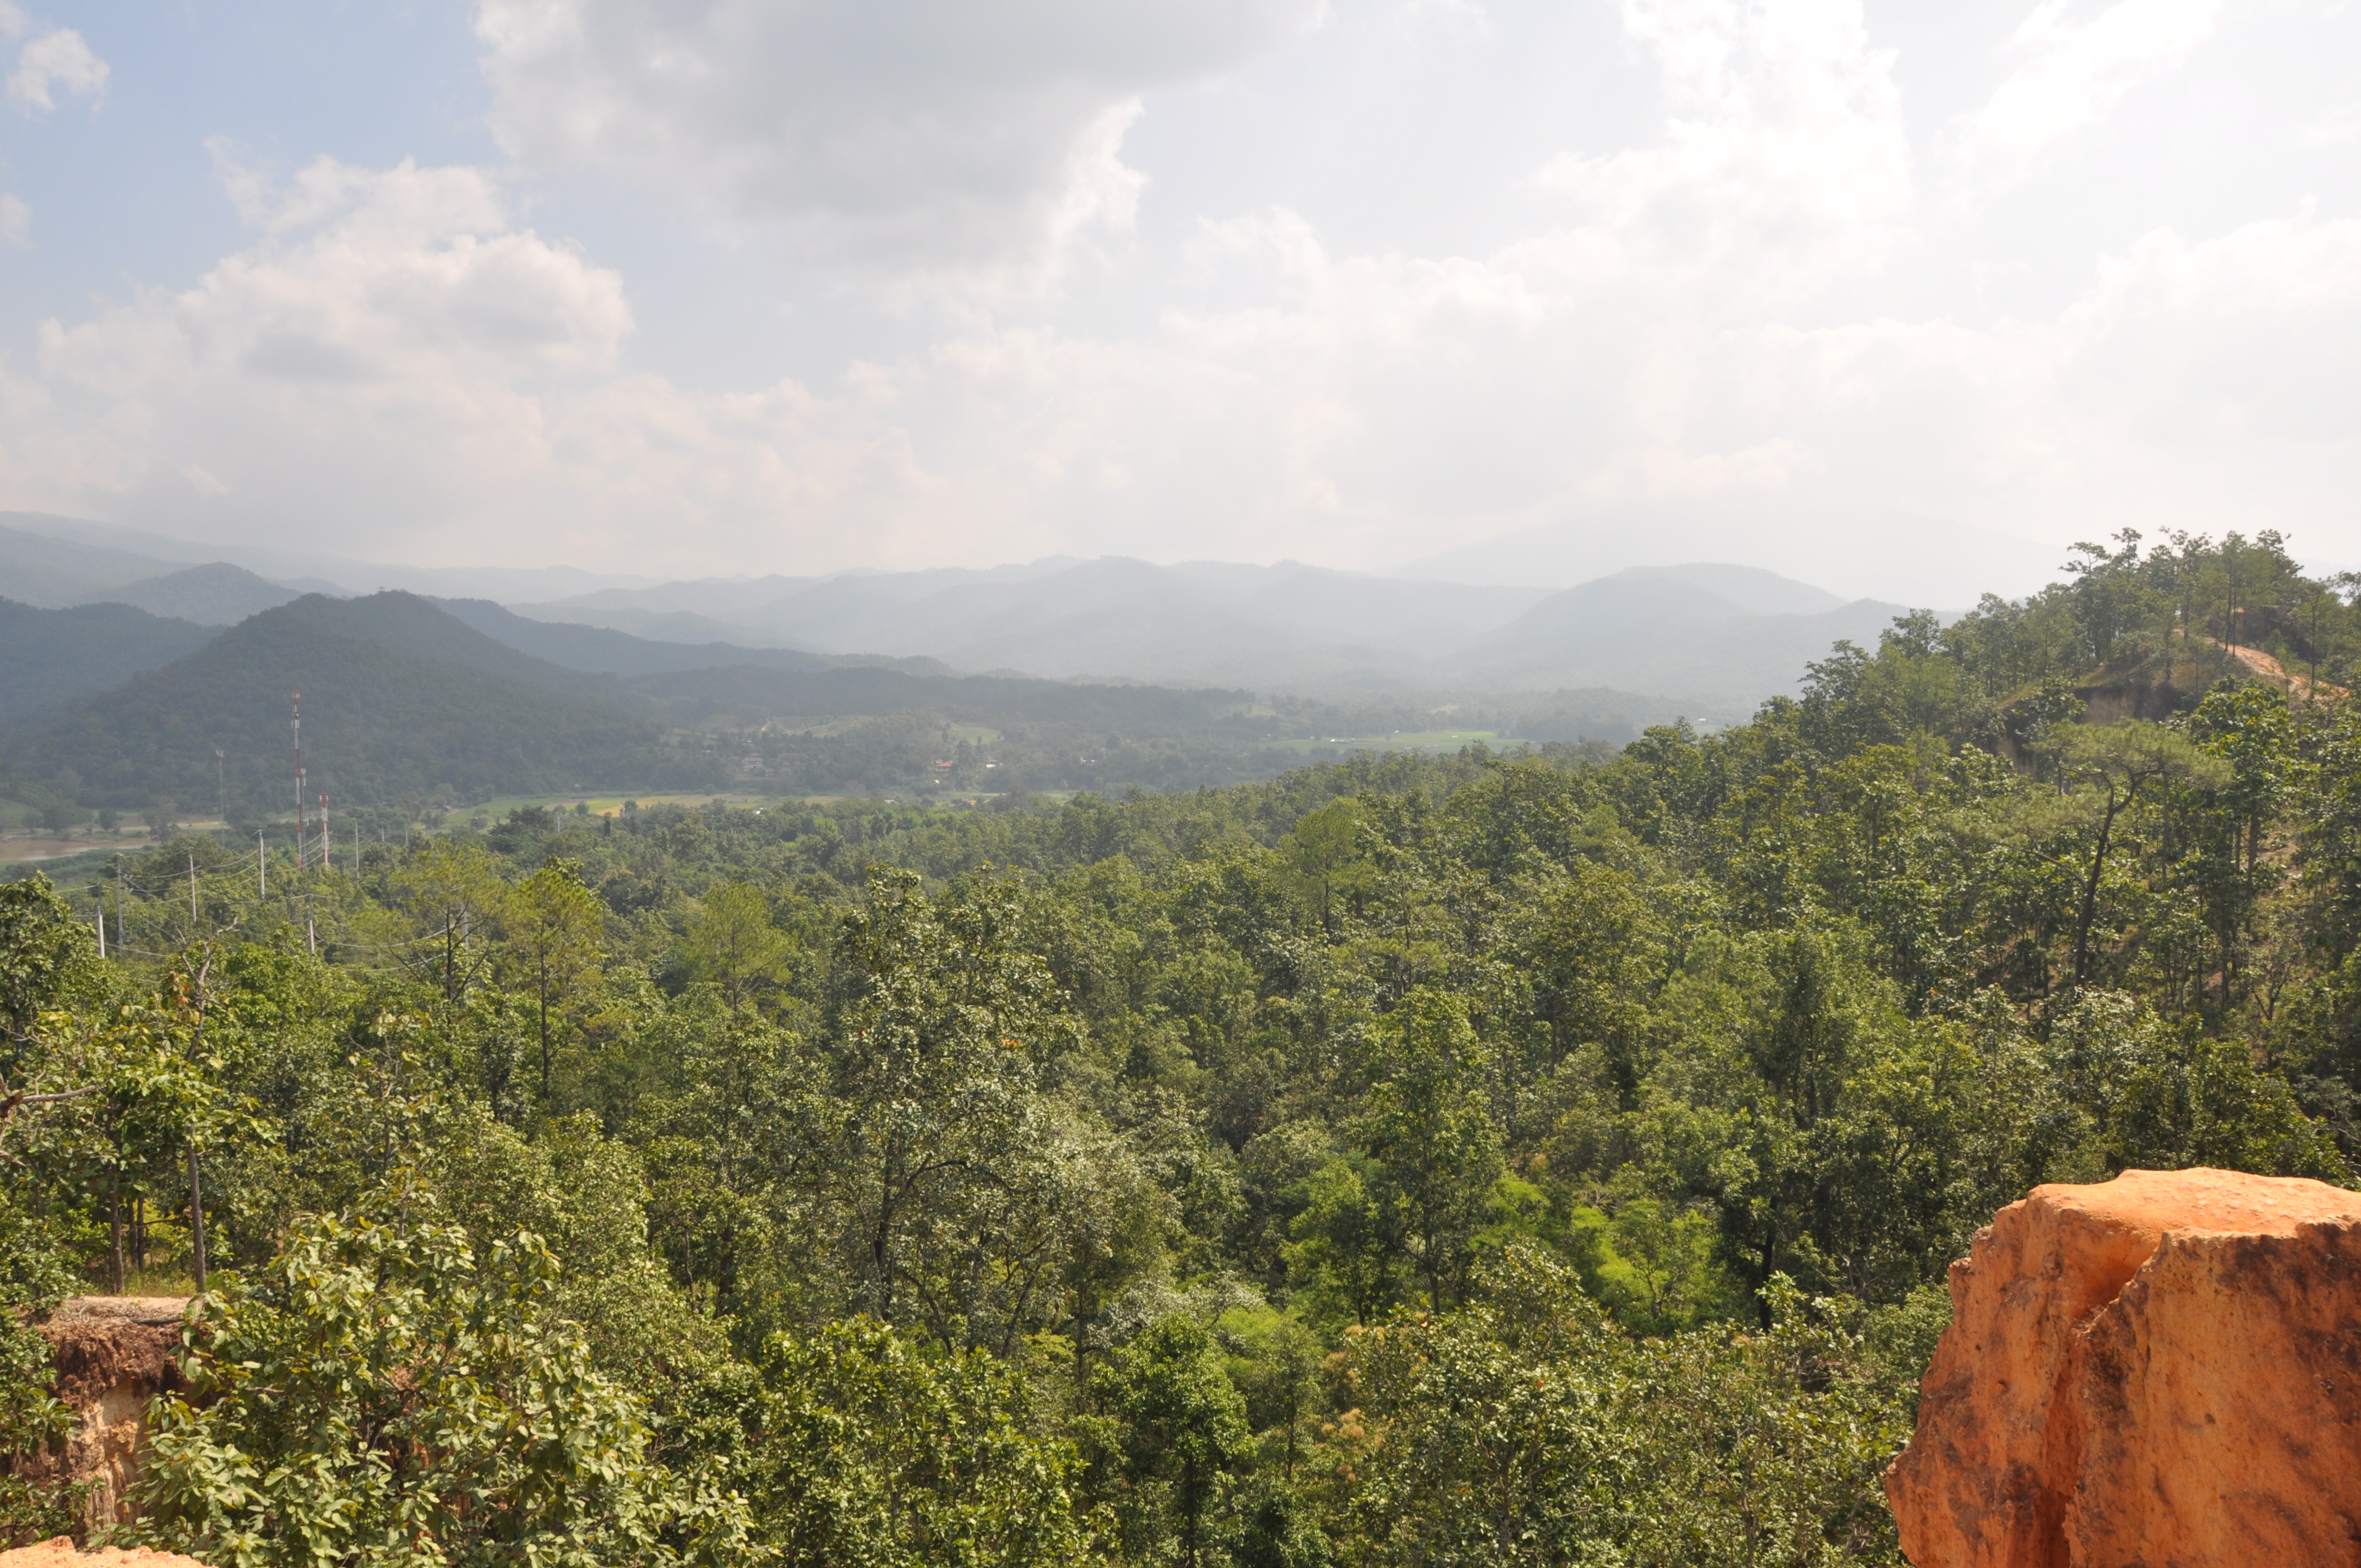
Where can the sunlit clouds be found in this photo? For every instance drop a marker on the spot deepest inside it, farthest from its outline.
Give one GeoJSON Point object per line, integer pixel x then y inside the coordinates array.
{"type": "Point", "coordinates": [1784, 259]}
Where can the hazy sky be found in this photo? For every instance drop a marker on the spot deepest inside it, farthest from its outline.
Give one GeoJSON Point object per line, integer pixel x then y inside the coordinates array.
{"type": "Point", "coordinates": [727, 285]}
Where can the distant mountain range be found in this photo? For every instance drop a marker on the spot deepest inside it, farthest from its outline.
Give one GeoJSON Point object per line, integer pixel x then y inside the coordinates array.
{"type": "Point", "coordinates": [51, 573]}
{"type": "Point", "coordinates": [143, 554]}
{"type": "Point", "coordinates": [1721, 637]}
{"type": "Point", "coordinates": [1713, 638]}
{"type": "Point", "coordinates": [1729, 635]}
{"type": "Point", "coordinates": [1859, 552]}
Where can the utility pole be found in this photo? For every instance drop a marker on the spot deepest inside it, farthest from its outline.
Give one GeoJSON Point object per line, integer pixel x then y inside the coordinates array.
{"type": "Point", "coordinates": [118, 904]}
{"type": "Point", "coordinates": [299, 781]}
{"type": "Point", "coordinates": [192, 892]}
{"type": "Point", "coordinates": [221, 785]}
{"type": "Point", "coordinates": [261, 866]}
{"type": "Point", "coordinates": [327, 840]}
{"type": "Point", "coordinates": [102, 927]}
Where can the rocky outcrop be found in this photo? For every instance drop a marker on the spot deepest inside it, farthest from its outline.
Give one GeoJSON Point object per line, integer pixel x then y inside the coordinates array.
{"type": "Point", "coordinates": [2160, 1370]}
{"type": "Point", "coordinates": [112, 1354]}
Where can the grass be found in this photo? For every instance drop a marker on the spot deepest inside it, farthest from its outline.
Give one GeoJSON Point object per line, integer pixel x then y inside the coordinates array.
{"type": "Point", "coordinates": [1399, 740]}
{"type": "Point", "coordinates": [65, 870]}
{"type": "Point", "coordinates": [159, 1278]}
{"type": "Point", "coordinates": [42, 850]}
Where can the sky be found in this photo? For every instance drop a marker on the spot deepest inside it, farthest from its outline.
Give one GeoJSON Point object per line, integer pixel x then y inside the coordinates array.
{"type": "Point", "coordinates": [735, 287]}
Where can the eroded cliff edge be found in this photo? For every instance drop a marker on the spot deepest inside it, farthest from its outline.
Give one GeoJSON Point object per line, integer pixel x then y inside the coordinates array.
{"type": "Point", "coordinates": [2160, 1369]}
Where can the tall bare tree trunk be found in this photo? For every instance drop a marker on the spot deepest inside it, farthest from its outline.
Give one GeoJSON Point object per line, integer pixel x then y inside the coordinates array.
{"type": "Point", "coordinates": [197, 1220]}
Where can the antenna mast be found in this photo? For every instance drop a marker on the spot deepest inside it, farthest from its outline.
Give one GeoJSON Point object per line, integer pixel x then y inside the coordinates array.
{"type": "Point", "coordinates": [299, 781]}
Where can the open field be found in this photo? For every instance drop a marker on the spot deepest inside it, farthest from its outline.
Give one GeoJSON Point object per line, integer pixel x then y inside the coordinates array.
{"type": "Point", "coordinates": [1399, 740]}
{"type": "Point", "coordinates": [82, 862]}
{"type": "Point", "coordinates": [17, 851]}
{"type": "Point", "coordinates": [493, 810]}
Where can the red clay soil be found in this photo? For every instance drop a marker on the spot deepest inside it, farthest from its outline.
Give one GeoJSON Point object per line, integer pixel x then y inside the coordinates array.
{"type": "Point", "coordinates": [112, 1354]}
{"type": "Point", "coordinates": [2162, 1369]}
{"type": "Point", "coordinates": [97, 1342]}
{"type": "Point", "coordinates": [59, 1551]}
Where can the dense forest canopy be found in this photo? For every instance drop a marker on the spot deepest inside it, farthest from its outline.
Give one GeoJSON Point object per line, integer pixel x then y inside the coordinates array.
{"type": "Point", "coordinates": [1493, 1158]}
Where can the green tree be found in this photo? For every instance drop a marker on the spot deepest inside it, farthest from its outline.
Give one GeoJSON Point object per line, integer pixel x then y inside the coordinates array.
{"type": "Point", "coordinates": [1596, 952]}
{"type": "Point", "coordinates": [44, 952]}
{"type": "Point", "coordinates": [1426, 1125]}
{"type": "Point", "coordinates": [1487, 1435]}
{"type": "Point", "coordinates": [380, 1393]}
{"type": "Point", "coordinates": [1183, 1431]}
{"type": "Point", "coordinates": [2116, 762]}
{"type": "Point", "coordinates": [1522, 1428]}
{"type": "Point", "coordinates": [932, 1140]}
{"type": "Point", "coordinates": [1346, 1251]}
{"type": "Point", "coordinates": [553, 923]}
{"type": "Point", "coordinates": [1323, 857]}
{"type": "Point", "coordinates": [452, 895]}
{"type": "Point", "coordinates": [731, 942]}
{"type": "Point", "coordinates": [874, 1451]}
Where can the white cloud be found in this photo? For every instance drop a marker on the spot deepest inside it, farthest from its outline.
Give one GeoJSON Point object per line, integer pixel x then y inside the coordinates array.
{"type": "Point", "coordinates": [16, 221]}
{"type": "Point", "coordinates": [377, 352]}
{"type": "Point", "coordinates": [1785, 163]}
{"type": "Point", "coordinates": [2075, 75]}
{"type": "Point", "coordinates": [396, 365]}
{"type": "Point", "coordinates": [57, 59]}
{"type": "Point", "coordinates": [441, 392]}
{"type": "Point", "coordinates": [931, 135]}
{"type": "Point", "coordinates": [2337, 128]}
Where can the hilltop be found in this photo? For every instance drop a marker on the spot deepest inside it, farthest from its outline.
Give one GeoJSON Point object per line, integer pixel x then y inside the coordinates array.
{"type": "Point", "coordinates": [215, 594]}
{"type": "Point", "coordinates": [401, 700]}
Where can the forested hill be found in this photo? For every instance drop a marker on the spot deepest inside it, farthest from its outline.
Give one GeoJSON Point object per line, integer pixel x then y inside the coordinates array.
{"type": "Point", "coordinates": [405, 702]}
{"type": "Point", "coordinates": [400, 701]}
{"type": "Point", "coordinates": [1370, 1167]}
{"type": "Point", "coordinates": [51, 657]}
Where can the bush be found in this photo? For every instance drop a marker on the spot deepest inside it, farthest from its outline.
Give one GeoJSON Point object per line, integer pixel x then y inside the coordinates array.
{"type": "Point", "coordinates": [383, 1395]}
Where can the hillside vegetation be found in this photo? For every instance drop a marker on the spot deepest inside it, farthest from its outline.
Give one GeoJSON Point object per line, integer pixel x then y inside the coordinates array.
{"type": "Point", "coordinates": [51, 657]}
{"type": "Point", "coordinates": [1418, 1160]}
{"type": "Point", "coordinates": [410, 705]}
{"type": "Point", "coordinates": [400, 701]}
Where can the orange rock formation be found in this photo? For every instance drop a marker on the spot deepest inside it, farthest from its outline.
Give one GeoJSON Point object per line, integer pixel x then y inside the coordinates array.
{"type": "Point", "coordinates": [59, 1551]}
{"type": "Point", "coordinates": [2160, 1370]}
{"type": "Point", "coordinates": [112, 1354]}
